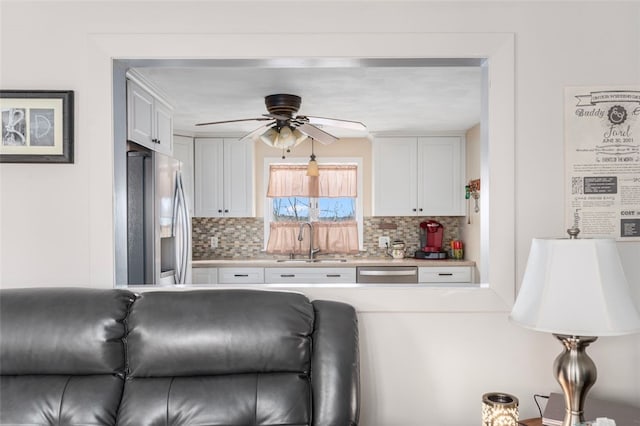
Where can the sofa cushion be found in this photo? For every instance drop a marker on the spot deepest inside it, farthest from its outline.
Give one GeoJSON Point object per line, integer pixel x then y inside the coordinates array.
{"type": "Point", "coordinates": [60, 400]}
{"type": "Point", "coordinates": [209, 332]}
{"type": "Point", "coordinates": [63, 331]}
{"type": "Point", "coordinates": [226, 400]}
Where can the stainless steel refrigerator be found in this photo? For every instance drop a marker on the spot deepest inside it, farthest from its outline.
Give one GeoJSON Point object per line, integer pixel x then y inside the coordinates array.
{"type": "Point", "coordinates": [158, 222]}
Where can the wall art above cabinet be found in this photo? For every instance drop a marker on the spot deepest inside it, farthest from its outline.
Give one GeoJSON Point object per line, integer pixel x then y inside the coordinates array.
{"type": "Point", "coordinates": [223, 177]}
{"type": "Point", "coordinates": [149, 117]}
{"type": "Point", "coordinates": [418, 176]}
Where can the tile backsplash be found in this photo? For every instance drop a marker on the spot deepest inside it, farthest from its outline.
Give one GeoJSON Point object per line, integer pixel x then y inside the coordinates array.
{"type": "Point", "coordinates": [242, 238]}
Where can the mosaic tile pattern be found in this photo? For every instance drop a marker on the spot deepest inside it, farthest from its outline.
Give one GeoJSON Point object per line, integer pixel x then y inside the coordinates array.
{"type": "Point", "coordinates": [406, 229]}
{"type": "Point", "coordinates": [242, 238]}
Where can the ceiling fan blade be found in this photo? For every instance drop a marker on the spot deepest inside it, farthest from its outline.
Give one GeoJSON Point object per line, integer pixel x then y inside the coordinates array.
{"type": "Point", "coordinates": [234, 121]}
{"type": "Point", "coordinates": [260, 130]}
{"type": "Point", "coordinates": [277, 117]}
{"type": "Point", "coordinates": [334, 122]}
{"type": "Point", "coordinates": [317, 134]}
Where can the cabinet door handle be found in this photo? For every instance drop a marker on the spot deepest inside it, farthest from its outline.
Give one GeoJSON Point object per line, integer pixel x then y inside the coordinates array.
{"type": "Point", "coordinates": [414, 210]}
{"type": "Point", "coordinates": [219, 211]}
{"type": "Point", "coordinates": [241, 275]}
{"type": "Point", "coordinates": [333, 275]}
{"type": "Point", "coordinates": [287, 275]}
{"type": "Point", "coordinates": [420, 209]}
{"type": "Point", "coordinates": [445, 274]}
{"type": "Point", "coordinates": [226, 210]}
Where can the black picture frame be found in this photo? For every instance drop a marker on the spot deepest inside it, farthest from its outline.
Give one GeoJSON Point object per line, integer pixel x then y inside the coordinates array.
{"type": "Point", "coordinates": [37, 126]}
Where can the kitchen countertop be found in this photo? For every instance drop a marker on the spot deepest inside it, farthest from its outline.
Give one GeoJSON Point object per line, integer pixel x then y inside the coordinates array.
{"type": "Point", "coordinates": [326, 263]}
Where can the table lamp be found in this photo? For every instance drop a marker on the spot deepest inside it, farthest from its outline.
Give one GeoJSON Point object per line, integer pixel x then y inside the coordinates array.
{"type": "Point", "coordinates": [577, 290]}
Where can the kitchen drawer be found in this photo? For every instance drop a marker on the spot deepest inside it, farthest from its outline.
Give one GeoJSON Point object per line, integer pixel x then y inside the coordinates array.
{"type": "Point", "coordinates": [444, 274]}
{"type": "Point", "coordinates": [204, 275]}
{"type": "Point", "coordinates": [310, 275]}
{"type": "Point", "coordinates": [241, 275]}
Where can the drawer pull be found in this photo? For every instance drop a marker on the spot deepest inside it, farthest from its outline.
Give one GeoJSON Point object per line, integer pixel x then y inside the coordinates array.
{"type": "Point", "coordinates": [333, 275]}
{"type": "Point", "coordinates": [287, 275]}
{"type": "Point", "coordinates": [241, 275]}
{"type": "Point", "coordinates": [445, 274]}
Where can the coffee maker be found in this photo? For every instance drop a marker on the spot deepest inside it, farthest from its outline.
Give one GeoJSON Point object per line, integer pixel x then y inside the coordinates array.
{"type": "Point", "coordinates": [431, 233]}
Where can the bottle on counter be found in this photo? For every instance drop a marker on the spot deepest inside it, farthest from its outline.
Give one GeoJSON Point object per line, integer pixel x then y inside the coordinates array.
{"type": "Point", "coordinates": [456, 249]}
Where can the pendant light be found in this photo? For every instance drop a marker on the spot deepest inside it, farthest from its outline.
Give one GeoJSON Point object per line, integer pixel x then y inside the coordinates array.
{"type": "Point", "coordinates": [312, 167]}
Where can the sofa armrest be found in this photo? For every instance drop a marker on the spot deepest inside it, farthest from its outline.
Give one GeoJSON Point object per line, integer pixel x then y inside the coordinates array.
{"type": "Point", "coordinates": [335, 365]}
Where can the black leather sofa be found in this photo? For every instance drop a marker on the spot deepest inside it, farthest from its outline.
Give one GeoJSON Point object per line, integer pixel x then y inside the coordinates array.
{"type": "Point", "coordinates": [73, 356]}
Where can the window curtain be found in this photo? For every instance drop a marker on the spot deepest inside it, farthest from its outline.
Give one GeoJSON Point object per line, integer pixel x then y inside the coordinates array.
{"type": "Point", "coordinates": [329, 237]}
{"type": "Point", "coordinates": [291, 180]}
{"type": "Point", "coordinates": [337, 237]}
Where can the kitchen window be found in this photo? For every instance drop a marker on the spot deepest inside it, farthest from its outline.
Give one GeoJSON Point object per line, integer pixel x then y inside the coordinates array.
{"type": "Point", "coordinates": [329, 202]}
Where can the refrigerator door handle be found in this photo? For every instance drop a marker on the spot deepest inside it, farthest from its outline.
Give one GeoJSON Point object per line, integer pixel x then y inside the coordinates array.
{"type": "Point", "coordinates": [176, 231]}
{"type": "Point", "coordinates": [186, 224]}
{"type": "Point", "coordinates": [183, 232]}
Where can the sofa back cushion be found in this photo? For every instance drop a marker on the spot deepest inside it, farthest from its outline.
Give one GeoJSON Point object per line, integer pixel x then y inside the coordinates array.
{"type": "Point", "coordinates": [69, 331]}
{"type": "Point", "coordinates": [211, 357]}
{"type": "Point", "coordinates": [62, 355]}
{"type": "Point", "coordinates": [219, 332]}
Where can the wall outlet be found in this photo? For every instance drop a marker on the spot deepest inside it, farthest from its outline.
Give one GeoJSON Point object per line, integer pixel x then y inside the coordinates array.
{"type": "Point", "coordinates": [213, 242]}
{"type": "Point", "coordinates": [384, 242]}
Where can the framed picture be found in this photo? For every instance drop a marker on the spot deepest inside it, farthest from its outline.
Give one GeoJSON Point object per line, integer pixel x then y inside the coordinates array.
{"type": "Point", "coordinates": [37, 126]}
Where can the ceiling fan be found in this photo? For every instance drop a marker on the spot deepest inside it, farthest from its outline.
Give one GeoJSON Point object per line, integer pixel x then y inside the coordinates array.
{"type": "Point", "coordinates": [285, 129]}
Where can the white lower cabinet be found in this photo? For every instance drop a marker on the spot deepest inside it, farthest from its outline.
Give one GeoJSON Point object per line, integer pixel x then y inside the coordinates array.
{"type": "Point", "coordinates": [310, 275]}
{"type": "Point", "coordinates": [204, 275]}
{"type": "Point", "coordinates": [240, 275]}
{"type": "Point", "coordinates": [445, 274]}
{"type": "Point", "coordinates": [315, 275]}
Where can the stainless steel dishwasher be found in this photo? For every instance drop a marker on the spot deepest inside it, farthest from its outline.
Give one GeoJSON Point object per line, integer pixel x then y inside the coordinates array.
{"type": "Point", "coordinates": [387, 274]}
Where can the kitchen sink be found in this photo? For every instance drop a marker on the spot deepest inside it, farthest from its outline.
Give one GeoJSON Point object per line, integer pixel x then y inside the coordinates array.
{"type": "Point", "coordinates": [311, 260]}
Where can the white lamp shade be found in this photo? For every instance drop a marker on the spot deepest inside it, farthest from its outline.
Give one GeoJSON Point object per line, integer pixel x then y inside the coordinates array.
{"type": "Point", "coordinates": [575, 287]}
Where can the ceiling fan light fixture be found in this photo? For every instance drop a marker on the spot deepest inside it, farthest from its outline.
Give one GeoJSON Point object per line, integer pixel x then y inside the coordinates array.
{"type": "Point", "coordinates": [269, 137]}
{"type": "Point", "coordinates": [299, 136]}
{"type": "Point", "coordinates": [286, 139]}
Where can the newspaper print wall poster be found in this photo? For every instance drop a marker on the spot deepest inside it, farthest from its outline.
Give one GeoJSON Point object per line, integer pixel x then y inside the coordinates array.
{"type": "Point", "coordinates": [602, 161]}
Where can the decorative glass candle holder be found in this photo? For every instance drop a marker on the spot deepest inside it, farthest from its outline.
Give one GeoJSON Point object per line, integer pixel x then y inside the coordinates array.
{"type": "Point", "coordinates": [499, 409]}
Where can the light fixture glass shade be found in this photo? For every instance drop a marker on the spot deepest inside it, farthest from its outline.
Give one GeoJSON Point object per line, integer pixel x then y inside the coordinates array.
{"type": "Point", "coordinates": [575, 287]}
{"type": "Point", "coordinates": [299, 136]}
{"type": "Point", "coordinates": [312, 168]}
{"type": "Point", "coordinates": [285, 138]}
{"type": "Point", "coordinates": [269, 137]}
{"type": "Point", "coordinates": [499, 409]}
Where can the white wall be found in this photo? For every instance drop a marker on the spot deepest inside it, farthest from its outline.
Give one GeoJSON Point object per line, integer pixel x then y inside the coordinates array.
{"type": "Point", "coordinates": [417, 368]}
{"type": "Point", "coordinates": [470, 229]}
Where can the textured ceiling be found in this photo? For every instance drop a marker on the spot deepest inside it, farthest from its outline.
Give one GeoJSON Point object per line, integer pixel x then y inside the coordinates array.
{"type": "Point", "coordinates": [387, 99]}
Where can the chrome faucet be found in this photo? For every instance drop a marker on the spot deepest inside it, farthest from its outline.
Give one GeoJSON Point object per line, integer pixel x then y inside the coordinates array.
{"type": "Point", "coordinates": [312, 251]}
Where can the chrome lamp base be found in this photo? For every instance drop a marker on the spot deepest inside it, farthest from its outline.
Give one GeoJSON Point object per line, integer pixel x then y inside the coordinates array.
{"type": "Point", "coordinates": [576, 373]}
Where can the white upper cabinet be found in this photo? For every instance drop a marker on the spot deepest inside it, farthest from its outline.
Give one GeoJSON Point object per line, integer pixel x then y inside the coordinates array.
{"type": "Point", "coordinates": [223, 178]}
{"type": "Point", "coordinates": [441, 176]}
{"type": "Point", "coordinates": [418, 176]}
{"type": "Point", "coordinates": [183, 151]}
{"type": "Point", "coordinates": [149, 119]}
{"type": "Point", "coordinates": [395, 184]}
